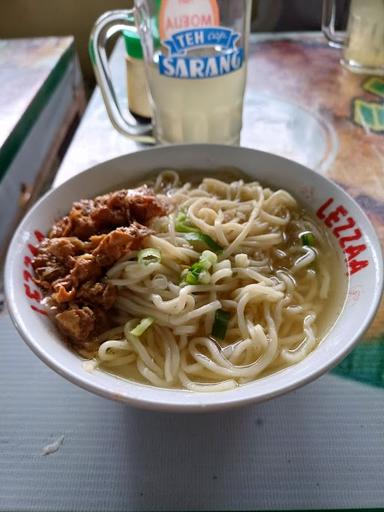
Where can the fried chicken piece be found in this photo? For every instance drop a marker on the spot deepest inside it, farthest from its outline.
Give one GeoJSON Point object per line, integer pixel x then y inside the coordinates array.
{"type": "Point", "coordinates": [47, 270]}
{"type": "Point", "coordinates": [63, 291]}
{"type": "Point", "coordinates": [80, 248]}
{"type": "Point", "coordinates": [76, 323]}
{"type": "Point", "coordinates": [98, 294]}
{"type": "Point", "coordinates": [79, 324]}
{"type": "Point", "coordinates": [117, 243]}
{"type": "Point", "coordinates": [63, 248]}
{"type": "Point", "coordinates": [111, 210]}
{"type": "Point", "coordinates": [55, 258]}
{"type": "Point", "coordinates": [91, 216]}
{"type": "Point", "coordinates": [61, 228]}
{"type": "Point", "coordinates": [85, 268]}
{"type": "Point", "coordinates": [81, 223]}
{"type": "Point", "coordinates": [144, 205]}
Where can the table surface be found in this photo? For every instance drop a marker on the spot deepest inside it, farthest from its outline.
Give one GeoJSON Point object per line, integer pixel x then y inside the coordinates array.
{"type": "Point", "coordinates": [320, 447]}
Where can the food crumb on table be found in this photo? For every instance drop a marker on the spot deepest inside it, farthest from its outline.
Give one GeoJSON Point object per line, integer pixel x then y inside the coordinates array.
{"type": "Point", "coordinates": [53, 447]}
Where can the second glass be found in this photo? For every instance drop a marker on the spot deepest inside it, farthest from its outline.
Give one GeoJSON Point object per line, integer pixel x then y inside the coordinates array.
{"type": "Point", "coordinates": [195, 54]}
{"type": "Point", "coordinates": [363, 42]}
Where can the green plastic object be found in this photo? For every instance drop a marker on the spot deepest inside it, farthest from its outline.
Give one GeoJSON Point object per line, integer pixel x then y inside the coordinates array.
{"type": "Point", "coordinates": [365, 363]}
{"type": "Point", "coordinates": [133, 44]}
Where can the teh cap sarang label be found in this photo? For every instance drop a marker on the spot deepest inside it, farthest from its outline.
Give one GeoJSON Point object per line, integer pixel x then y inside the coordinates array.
{"type": "Point", "coordinates": [222, 54]}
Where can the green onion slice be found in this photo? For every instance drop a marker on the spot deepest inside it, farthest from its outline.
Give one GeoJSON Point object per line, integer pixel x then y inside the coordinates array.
{"type": "Point", "coordinates": [220, 325]}
{"type": "Point", "coordinates": [194, 273]}
{"type": "Point", "coordinates": [142, 326]}
{"type": "Point", "coordinates": [202, 238]}
{"type": "Point", "coordinates": [147, 256]}
{"type": "Point", "coordinates": [192, 276]}
{"type": "Point", "coordinates": [193, 235]}
{"type": "Point", "coordinates": [198, 272]}
{"type": "Point", "coordinates": [182, 225]}
{"type": "Point", "coordinates": [308, 238]}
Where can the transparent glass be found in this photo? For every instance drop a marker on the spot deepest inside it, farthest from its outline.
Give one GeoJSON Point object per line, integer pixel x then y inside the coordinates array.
{"type": "Point", "coordinates": [195, 54]}
{"type": "Point", "coordinates": [363, 41]}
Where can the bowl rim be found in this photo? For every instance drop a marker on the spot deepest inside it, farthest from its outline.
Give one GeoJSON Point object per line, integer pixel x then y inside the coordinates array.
{"type": "Point", "coordinates": [153, 403]}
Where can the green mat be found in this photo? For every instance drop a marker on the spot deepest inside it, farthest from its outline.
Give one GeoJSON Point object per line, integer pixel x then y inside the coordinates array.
{"type": "Point", "coordinates": [365, 363]}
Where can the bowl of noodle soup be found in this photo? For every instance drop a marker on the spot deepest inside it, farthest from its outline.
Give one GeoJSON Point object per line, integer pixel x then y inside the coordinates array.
{"type": "Point", "coordinates": [237, 276]}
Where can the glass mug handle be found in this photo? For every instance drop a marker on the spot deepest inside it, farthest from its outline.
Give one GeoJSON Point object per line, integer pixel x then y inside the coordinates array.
{"type": "Point", "coordinates": [105, 27]}
{"type": "Point", "coordinates": [328, 24]}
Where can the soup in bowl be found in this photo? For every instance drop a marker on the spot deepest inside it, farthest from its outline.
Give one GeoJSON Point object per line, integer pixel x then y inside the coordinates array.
{"type": "Point", "coordinates": [194, 277]}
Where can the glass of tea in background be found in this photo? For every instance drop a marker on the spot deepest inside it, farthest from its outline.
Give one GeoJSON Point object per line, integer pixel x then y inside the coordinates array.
{"type": "Point", "coordinates": [195, 57]}
{"type": "Point", "coordinates": [363, 41]}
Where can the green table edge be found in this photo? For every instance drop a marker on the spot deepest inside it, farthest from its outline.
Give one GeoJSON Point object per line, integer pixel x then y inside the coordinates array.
{"type": "Point", "coordinates": [23, 127]}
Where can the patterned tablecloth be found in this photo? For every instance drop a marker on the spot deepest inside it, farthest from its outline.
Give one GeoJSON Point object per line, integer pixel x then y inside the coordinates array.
{"type": "Point", "coordinates": [320, 447]}
{"type": "Point", "coordinates": [316, 112]}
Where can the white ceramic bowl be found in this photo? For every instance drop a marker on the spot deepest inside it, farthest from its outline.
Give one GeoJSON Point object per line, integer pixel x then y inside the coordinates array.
{"type": "Point", "coordinates": [348, 223]}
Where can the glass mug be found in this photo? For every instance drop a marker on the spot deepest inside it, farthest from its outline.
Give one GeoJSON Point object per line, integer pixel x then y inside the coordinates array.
{"type": "Point", "coordinates": [363, 41]}
{"type": "Point", "coordinates": [195, 57]}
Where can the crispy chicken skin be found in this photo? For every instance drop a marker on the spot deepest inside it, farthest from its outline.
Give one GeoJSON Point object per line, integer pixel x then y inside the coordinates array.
{"type": "Point", "coordinates": [72, 260]}
{"type": "Point", "coordinates": [93, 216]}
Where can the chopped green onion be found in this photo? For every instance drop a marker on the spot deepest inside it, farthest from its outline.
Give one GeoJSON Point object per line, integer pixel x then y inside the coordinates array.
{"type": "Point", "coordinates": [182, 225]}
{"type": "Point", "coordinates": [150, 255]}
{"type": "Point", "coordinates": [192, 276]}
{"type": "Point", "coordinates": [192, 234]}
{"type": "Point", "coordinates": [142, 326]}
{"type": "Point", "coordinates": [180, 217]}
{"type": "Point", "coordinates": [202, 238]}
{"type": "Point", "coordinates": [220, 325]}
{"type": "Point", "coordinates": [197, 273]}
{"type": "Point", "coordinates": [308, 238]}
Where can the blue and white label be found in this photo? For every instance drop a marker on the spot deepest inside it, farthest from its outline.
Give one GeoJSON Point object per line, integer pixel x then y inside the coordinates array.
{"type": "Point", "coordinates": [179, 65]}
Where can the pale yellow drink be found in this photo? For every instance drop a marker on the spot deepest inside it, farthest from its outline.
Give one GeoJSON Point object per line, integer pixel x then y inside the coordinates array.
{"type": "Point", "coordinates": [203, 110]}
{"type": "Point", "coordinates": [364, 46]}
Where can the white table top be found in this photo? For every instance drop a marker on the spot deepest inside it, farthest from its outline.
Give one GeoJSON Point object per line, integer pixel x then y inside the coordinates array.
{"type": "Point", "coordinates": [320, 447]}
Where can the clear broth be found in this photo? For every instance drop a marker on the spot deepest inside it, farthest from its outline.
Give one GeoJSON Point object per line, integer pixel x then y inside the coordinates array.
{"type": "Point", "coordinates": [332, 257]}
